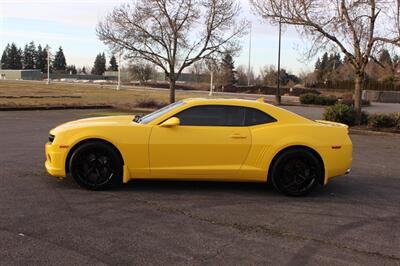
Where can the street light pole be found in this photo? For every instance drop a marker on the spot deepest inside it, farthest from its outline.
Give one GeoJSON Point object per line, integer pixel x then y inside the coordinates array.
{"type": "Point", "coordinates": [278, 91]}
{"type": "Point", "coordinates": [211, 82]}
{"type": "Point", "coordinates": [48, 65]}
{"type": "Point", "coordinates": [119, 71]}
{"type": "Point", "coordinates": [248, 69]}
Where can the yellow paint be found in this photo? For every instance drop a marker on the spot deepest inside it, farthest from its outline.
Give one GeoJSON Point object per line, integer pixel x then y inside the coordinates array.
{"type": "Point", "coordinates": [261, 100]}
{"type": "Point", "coordinates": [173, 121]}
{"type": "Point", "coordinates": [164, 149]}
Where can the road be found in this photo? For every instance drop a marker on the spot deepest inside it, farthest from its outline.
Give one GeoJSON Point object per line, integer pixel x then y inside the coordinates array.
{"type": "Point", "coordinates": [354, 220]}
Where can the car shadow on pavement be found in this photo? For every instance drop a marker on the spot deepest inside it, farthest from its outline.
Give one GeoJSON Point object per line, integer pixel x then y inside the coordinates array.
{"type": "Point", "coordinates": [196, 187]}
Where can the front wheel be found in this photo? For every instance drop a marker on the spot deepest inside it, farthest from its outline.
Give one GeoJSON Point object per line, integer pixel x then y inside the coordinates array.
{"type": "Point", "coordinates": [96, 165]}
{"type": "Point", "coordinates": [296, 172]}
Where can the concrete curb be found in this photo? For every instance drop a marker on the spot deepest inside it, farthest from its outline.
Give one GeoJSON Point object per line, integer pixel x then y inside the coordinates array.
{"type": "Point", "coordinates": [372, 132]}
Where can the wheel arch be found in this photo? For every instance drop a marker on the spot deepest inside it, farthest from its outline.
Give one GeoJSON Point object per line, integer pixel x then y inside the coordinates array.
{"type": "Point", "coordinates": [81, 142]}
{"type": "Point", "coordinates": [313, 151]}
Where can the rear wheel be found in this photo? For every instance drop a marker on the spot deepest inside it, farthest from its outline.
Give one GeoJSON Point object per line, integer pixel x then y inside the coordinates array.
{"type": "Point", "coordinates": [96, 165]}
{"type": "Point", "coordinates": [296, 172]}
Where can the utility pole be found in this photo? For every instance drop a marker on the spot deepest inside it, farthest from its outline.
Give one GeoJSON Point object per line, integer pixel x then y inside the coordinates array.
{"type": "Point", "coordinates": [48, 65]}
{"type": "Point", "coordinates": [249, 69]}
{"type": "Point", "coordinates": [211, 82]}
{"type": "Point", "coordinates": [119, 71]}
{"type": "Point", "coordinates": [278, 91]}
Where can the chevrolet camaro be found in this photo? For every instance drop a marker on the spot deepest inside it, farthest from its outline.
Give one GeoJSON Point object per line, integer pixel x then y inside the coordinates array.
{"type": "Point", "coordinates": [202, 139]}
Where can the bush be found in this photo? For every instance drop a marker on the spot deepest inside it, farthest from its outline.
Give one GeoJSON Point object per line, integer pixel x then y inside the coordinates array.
{"type": "Point", "coordinates": [150, 103]}
{"type": "Point", "coordinates": [397, 116]}
{"type": "Point", "coordinates": [311, 98]}
{"type": "Point", "coordinates": [384, 120]}
{"type": "Point", "coordinates": [341, 113]}
{"type": "Point", "coordinates": [364, 118]}
{"type": "Point", "coordinates": [351, 102]}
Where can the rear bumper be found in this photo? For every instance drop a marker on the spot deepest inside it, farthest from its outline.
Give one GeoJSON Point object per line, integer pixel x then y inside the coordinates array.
{"type": "Point", "coordinates": [338, 162]}
{"type": "Point", "coordinates": [55, 160]}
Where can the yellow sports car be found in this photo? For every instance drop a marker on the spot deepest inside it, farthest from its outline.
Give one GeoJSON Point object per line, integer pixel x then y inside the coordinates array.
{"type": "Point", "coordinates": [202, 139]}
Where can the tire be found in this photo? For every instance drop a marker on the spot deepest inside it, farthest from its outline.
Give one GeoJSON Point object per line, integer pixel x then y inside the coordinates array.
{"type": "Point", "coordinates": [96, 165]}
{"type": "Point", "coordinates": [296, 172]}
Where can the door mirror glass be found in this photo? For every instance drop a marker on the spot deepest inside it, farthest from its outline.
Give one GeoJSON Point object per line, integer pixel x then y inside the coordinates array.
{"type": "Point", "coordinates": [171, 122]}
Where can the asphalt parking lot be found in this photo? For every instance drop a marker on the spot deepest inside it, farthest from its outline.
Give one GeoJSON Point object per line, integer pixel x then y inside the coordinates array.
{"type": "Point", "coordinates": [43, 220]}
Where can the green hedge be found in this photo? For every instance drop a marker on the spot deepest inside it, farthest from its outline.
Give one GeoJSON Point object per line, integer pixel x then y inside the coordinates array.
{"type": "Point", "coordinates": [311, 98]}
{"type": "Point", "coordinates": [346, 114]}
{"type": "Point", "coordinates": [388, 120]}
{"type": "Point", "coordinates": [340, 113]}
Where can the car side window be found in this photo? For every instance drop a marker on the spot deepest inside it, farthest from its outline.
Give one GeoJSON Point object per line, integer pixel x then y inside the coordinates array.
{"type": "Point", "coordinates": [257, 117]}
{"type": "Point", "coordinates": [212, 115]}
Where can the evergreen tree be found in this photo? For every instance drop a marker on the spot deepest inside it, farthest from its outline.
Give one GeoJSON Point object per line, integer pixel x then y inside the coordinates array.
{"type": "Point", "coordinates": [271, 76]}
{"type": "Point", "coordinates": [96, 65]}
{"type": "Point", "coordinates": [113, 64]}
{"type": "Point", "coordinates": [29, 56]}
{"type": "Point", "coordinates": [83, 70]}
{"type": "Point", "coordinates": [334, 62]}
{"type": "Point", "coordinates": [324, 62]}
{"type": "Point", "coordinates": [325, 66]}
{"type": "Point", "coordinates": [385, 58]}
{"type": "Point", "coordinates": [19, 59]}
{"type": "Point", "coordinates": [103, 62]}
{"type": "Point", "coordinates": [317, 64]}
{"type": "Point", "coordinates": [59, 63]}
{"type": "Point", "coordinates": [99, 65]}
{"type": "Point", "coordinates": [40, 60]}
{"type": "Point", "coordinates": [44, 59]}
{"type": "Point", "coordinates": [71, 69]}
{"type": "Point", "coordinates": [228, 70]}
{"type": "Point", "coordinates": [5, 58]}
{"type": "Point", "coordinates": [14, 57]}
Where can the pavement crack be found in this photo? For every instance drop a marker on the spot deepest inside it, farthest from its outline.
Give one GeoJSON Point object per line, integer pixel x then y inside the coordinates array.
{"type": "Point", "coordinates": [265, 229]}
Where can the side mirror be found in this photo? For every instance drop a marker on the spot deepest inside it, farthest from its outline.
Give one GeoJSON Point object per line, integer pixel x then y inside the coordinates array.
{"type": "Point", "coordinates": [173, 121]}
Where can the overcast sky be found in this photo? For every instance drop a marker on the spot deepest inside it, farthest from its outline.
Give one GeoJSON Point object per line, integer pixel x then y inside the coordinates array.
{"type": "Point", "coordinates": [72, 23]}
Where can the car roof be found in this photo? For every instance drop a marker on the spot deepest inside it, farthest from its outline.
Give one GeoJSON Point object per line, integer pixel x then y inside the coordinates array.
{"type": "Point", "coordinates": [230, 101]}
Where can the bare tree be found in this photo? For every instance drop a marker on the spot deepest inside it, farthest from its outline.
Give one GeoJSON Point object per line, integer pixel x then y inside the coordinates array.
{"type": "Point", "coordinates": [244, 75]}
{"type": "Point", "coordinates": [172, 34]}
{"type": "Point", "coordinates": [357, 28]}
{"type": "Point", "coordinates": [141, 71]}
{"type": "Point", "coordinates": [388, 62]}
{"type": "Point", "coordinates": [197, 69]}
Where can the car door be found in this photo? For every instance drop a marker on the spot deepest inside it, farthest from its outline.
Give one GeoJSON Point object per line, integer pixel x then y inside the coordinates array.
{"type": "Point", "coordinates": [211, 142]}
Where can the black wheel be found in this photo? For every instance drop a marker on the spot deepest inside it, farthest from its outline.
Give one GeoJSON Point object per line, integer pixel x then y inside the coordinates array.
{"type": "Point", "coordinates": [296, 172]}
{"type": "Point", "coordinates": [96, 165]}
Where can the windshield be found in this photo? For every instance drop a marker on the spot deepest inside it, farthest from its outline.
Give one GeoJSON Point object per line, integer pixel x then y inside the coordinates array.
{"type": "Point", "coordinates": [156, 114]}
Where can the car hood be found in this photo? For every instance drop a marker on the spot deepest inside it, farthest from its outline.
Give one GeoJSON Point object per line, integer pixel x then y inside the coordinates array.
{"type": "Point", "coordinates": [95, 121]}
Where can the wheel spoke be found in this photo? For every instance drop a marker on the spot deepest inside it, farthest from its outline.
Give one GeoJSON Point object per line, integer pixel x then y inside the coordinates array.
{"type": "Point", "coordinates": [95, 167]}
{"type": "Point", "coordinates": [88, 171]}
{"type": "Point", "coordinates": [298, 174]}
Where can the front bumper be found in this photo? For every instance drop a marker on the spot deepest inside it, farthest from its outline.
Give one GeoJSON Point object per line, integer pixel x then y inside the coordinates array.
{"type": "Point", "coordinates": [55, 160]}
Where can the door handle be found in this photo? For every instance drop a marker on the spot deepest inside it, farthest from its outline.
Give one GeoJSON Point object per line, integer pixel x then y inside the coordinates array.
{"type": "Point", "coordinates": [238, 136]}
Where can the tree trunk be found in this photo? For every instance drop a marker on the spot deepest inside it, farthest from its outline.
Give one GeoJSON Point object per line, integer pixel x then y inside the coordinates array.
{"type": "Point", "coordinates": [172, 90]}
{"type": "Point", "coordinates": [357, 97]}
{"type": "Point", "coordinates": [278, 98]}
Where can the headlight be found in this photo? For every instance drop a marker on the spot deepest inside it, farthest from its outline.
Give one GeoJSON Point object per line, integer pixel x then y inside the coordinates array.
{"type": "Point", "coordinates": [51, 138]}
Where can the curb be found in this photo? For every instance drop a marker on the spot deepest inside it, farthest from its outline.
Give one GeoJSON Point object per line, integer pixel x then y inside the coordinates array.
{"type": "Point", "coordinates": [41, 108]}
{"type": "Point", "coordinates": [373, 133]}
